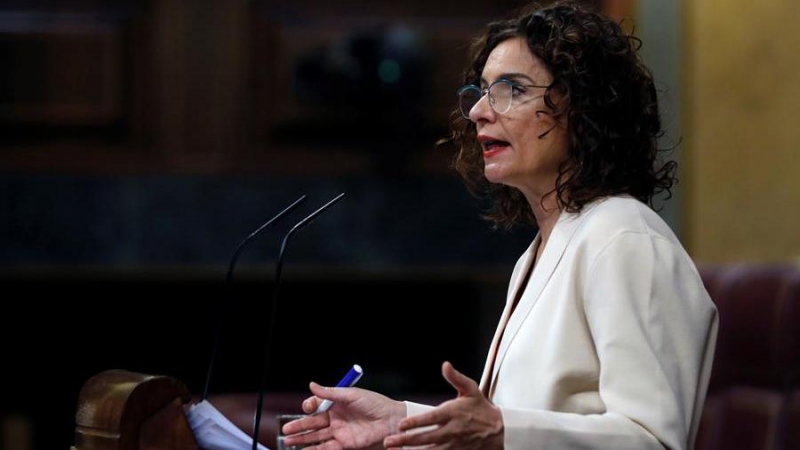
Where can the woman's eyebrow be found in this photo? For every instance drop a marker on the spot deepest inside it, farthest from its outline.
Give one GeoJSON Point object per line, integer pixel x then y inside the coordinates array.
{"type": "Point", "coordinates": [516, 76]}
{"type": "Point", "coordinates": [513, 76]}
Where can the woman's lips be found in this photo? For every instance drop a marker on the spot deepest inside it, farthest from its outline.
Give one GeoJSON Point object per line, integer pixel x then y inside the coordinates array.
{"type": "Point", "coordinates": [493, 148]}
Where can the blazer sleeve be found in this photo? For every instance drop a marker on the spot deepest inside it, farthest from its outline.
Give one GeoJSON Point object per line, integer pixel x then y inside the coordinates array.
{"type": "Point", "coordinates": [654, 328]}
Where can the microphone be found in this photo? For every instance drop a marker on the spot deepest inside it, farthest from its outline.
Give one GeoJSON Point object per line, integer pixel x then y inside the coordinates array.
{"type": "Point", "coordinates": [270, 331]}
{"type": "Point", "coordinates": [221, 317]}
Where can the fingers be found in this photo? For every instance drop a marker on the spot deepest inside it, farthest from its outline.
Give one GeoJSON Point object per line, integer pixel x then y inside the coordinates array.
{"type": "Point", "coordinates": [319, 390]}
{"type": "Point", "coordinates": [344, 395]}
{"type": "Point", "coordinates": [462, 383]}
{"type": "Point", "coordinates": [321, 393]}
{"type": "Point", "coordinates": [306, 424]}
{"type": "Point", "coordinates": [312, 432]}
{"type": "Point", "coordinates": [434, 428]}
{"type": "Point", "coordinates": [327, 445]}
{"type": "Point", "coordinates": [428, 419]}
{"type": "Point", "coordinates": [319, 439]}
{"type": "Point", "coordinates": [465, 386]}
{"type": "Point", "coordinates": [328, 393]}
{"type": "Point", "coordinates": [424, 437]}
{"type": "Point", "coordinates": [310, 404]}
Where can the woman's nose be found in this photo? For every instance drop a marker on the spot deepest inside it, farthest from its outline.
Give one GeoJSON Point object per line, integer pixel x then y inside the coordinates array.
{"type": "Point", "coordinates": [482, 110]}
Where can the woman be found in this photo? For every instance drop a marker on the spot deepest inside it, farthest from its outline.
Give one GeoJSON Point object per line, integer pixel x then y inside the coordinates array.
{"type": "Point", "coordinates": [607, 338]}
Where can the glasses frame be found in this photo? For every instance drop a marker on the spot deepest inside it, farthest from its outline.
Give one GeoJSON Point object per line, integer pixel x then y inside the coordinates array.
{"type": "Point", "coordinates": [488, 91]}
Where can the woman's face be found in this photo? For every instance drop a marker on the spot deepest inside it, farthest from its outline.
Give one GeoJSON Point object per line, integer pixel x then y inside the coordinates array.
{"type": "Point", "coordinates": [524, 146]}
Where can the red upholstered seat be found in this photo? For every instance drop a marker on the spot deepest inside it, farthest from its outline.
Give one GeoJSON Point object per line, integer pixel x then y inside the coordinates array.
{"type": "Point", "coordinates": [752, 304]}
{"type": "Point", "coordinates": [790, 334]}
{"type": "Point", "coordinates": [749, 418]}
{"type": "Point", "coordinates": [790, 436]}
{"type": "Point", "coordinates": [757, 362]}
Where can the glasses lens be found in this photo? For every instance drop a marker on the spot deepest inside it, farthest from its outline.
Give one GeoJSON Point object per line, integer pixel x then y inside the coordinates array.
{"type": "Point", "coordinates": [468, 96]}
{"type": "Point", "coordinates": [500, 96]}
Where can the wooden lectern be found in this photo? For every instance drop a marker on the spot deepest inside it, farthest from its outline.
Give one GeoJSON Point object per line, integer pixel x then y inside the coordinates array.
{"type": "Point", "coordinates": [122, 410]}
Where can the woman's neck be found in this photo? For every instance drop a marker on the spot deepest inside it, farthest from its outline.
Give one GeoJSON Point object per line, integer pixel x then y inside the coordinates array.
{"type": "Point", "coordinates": [546, 210]}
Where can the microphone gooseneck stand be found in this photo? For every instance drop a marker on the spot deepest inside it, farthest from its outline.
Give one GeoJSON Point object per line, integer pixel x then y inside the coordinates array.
{"type": "Point", "coordinates": [272, 323]}
{"type": "Point", "coordinates": [223, 304]}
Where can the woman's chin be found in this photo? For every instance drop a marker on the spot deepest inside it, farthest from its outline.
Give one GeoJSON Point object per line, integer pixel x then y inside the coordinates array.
{"type": "Point", "coordinates": [493, 174]}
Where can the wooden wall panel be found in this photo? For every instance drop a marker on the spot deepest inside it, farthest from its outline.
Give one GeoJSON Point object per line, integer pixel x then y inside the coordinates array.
{"type": "Point", "coordinates": [73, 93]}
{"type": "Point", "coordinates": [209, 87]}
{"type": "Point", "coordinates": [65, 76]}
{"type": "Point", "coordinates": [297, 130]}
{"type": "Point", "coordinates": [742, 101]}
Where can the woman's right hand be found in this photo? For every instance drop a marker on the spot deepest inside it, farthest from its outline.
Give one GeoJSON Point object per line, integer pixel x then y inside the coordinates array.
{"type": "Point", "coordinates": [358, 419]}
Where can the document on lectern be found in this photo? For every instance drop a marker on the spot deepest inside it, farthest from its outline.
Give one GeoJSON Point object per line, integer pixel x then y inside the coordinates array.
{"type": "Point", "coordinates": [214, 431]}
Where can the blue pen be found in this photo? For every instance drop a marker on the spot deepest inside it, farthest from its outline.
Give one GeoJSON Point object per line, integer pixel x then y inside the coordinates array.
{"type": "Point", "coordinates": [350, 379]}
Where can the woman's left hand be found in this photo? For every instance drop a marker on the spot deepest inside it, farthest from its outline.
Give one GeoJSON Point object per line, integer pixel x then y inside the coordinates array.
{"type": "Point", "coordinates": [469, 421]}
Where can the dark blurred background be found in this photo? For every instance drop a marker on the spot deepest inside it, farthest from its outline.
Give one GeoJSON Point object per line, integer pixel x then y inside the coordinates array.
{"type": "Point", "coordinates": [142, 141]}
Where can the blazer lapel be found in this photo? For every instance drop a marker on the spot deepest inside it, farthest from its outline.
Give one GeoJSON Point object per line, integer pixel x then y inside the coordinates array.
{"type": "Point", "coordinates": [517, 281]}
{"type": "Point", "coordinates": [545, 267]}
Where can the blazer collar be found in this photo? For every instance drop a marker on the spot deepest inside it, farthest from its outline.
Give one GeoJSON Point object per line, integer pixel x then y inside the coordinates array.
{"type": "Point", "coordinates": [551, 256]}
{"type": "Point", "coordinates": [517, 279]}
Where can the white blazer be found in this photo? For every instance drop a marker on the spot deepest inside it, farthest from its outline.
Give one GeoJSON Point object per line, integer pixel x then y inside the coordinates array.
{"type": "Point", "coordinates": [611, 344]}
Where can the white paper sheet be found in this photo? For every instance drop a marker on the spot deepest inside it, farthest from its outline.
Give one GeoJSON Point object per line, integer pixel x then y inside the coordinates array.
{"type": "Point", "coordinates": [214, 431]}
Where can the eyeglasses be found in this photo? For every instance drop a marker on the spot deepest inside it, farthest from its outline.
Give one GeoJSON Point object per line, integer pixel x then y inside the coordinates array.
{"type": "Point", "coordinates": [501, 94]}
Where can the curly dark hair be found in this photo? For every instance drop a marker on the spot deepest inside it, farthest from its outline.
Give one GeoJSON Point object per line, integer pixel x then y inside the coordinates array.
{"type": "Point", "coordinates": [611, 110]}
